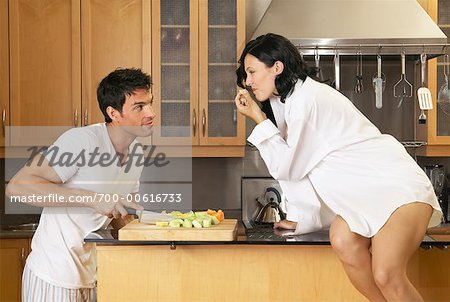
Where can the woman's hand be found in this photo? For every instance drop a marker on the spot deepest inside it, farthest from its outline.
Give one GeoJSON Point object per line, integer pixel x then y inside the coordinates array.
{"type": "Point", "coordinates": [248, 107]}
{"type": "Point", "coordinates": [285, 224]}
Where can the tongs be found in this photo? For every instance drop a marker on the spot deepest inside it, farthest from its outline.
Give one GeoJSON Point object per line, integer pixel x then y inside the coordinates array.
{"type": "Point", "coordinates": [403, 88]}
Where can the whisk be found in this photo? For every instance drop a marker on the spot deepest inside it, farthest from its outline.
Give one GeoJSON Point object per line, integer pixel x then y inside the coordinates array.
{"type": "Point", "coordinates": [444, 92]}
{"type": "Point", "coordinates": [403, 88]}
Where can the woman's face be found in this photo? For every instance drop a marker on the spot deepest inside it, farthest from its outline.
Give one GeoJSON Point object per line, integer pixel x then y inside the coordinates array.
{"type": "Point", "coordinates": [260, 77]}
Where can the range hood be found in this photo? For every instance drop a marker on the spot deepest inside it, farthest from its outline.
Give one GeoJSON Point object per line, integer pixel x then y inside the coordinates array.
{"type": "Point", "coordinates": [337, 23]}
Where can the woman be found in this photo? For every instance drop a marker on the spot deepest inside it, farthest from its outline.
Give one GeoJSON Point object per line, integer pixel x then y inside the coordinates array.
{"type": "Point", "coordinates": [329, 158]}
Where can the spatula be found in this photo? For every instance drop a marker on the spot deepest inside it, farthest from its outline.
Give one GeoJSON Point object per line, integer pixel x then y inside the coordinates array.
{"type": "Point", "coordinates": [423, 93]}
{"type": "Point", "coordinates": [378, 85]}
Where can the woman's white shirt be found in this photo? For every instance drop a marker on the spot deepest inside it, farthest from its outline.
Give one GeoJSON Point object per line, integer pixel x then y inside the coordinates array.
{"type": "Point", "coordinates": [325, 151]}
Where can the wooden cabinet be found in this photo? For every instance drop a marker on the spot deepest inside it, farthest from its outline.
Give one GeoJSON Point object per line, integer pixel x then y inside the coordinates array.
{"type": "Point", "coordinates": [437, 130]}
{"type": "Point", "coordinates": [13, 253]}
{"type": "Point", "coordinates": [56, 52]}
{"type": "Point", "coordinates": [196, 44]}
{"type": "Point", "coordinates": [433, 282]}
{"type": "Point", "coordinates": [114, 34]}
{"type": "Point", "coordinates": [230, 272]}
{"type": "Point", "coordinates": [40, 59]}
{"type": "Point", "coordinates": [4, 70]}
{"type": "Point", "coordinates": [247, 272]}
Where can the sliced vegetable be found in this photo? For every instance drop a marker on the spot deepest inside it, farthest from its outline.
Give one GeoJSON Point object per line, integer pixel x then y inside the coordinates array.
{"type": "Point", "coordinates": [197, 224]}
{"type": "Point", "coordinates": [187, 223]}
{"type": "Point", "coordinates": [199, 219]}
{"type": "Point", "coordinates": [220, 215]}
{"type": "Point", "coordinates": [175, 223]}
{"type": "Point", "coordinates": [206, 223]}
{"type": "Point", "coordinates": [214, 220]}
{"type": "Point", "coordinates": [162, 223]}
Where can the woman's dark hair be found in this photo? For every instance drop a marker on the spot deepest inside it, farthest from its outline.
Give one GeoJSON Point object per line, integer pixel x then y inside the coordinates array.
{"type": "Point", "coordinates": [270, 48]}
{"type": "Point", "coordinates": [116, 86]}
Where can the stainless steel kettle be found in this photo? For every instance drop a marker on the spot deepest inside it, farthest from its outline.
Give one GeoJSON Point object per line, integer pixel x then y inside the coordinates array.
{"type": "Point", "coordinates": [270, 211]}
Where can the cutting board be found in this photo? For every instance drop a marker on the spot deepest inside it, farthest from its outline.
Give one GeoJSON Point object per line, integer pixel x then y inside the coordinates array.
{"type": "Point", "coordinates": [224, 231]}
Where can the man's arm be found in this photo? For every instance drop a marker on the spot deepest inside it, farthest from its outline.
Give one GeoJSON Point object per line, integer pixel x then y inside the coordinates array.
{"type": "Point", "coordinates": [42, 180]}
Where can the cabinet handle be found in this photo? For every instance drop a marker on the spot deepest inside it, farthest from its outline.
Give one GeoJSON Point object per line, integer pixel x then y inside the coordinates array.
{"type": "Point", "coordinates": [194, 122]}
{"type": "Point", "coordinates": [86, 117]}
{"type": "Point", "coordinates": [204, 122]}
{"type": "Point", "coordinates": [75, 118]}
{"type": "Point", "coordinates": [22, 257]}
{"type": "Point", "coordinates": [4, 122]}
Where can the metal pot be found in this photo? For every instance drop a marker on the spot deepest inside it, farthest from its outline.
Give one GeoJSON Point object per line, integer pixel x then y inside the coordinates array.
{"type": "Point", "coordinates": [270, 211]}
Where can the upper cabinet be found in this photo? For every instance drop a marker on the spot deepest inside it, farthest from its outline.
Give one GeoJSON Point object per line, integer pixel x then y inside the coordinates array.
{"type": "Point", "coordinates": [54, 53]}
{"type": "Point", "coordinates": [437, 130]}
{"type": "Point", "coordinates": [196, 44]}
{"type": "Point", "coordinates": [114, 34]}
{"type": "Point", "coordinates": [44, 61]}
{"type": "Point", "coordinates": [4, 70]}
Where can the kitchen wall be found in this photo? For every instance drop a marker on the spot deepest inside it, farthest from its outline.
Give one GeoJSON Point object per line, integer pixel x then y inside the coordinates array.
{"type": "Point", "coordinates": [254, 11]}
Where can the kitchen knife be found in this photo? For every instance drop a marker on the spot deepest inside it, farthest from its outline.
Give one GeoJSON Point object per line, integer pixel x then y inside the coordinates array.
{"type": "Point", "coordinates": [153, 217]}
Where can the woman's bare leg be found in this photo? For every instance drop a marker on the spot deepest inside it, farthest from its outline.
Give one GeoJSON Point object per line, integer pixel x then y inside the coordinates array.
{"type": "Point", "coordinates": [353, 251]}
{"type": "Point", "coordinates": [392, 248]}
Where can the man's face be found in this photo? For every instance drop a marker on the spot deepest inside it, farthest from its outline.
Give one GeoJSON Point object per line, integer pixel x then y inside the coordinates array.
{"type": "Point", "coordinates": [137, 113]}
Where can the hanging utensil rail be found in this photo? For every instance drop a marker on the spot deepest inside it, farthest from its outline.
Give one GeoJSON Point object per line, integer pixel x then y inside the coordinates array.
{"type": "Point", "coordinates": [433, 50]}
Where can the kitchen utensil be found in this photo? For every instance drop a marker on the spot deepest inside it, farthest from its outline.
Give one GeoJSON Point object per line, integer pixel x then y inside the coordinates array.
{"type": "Point", "coordinates": [423, 93]}
{"type": "Point", "coordinates": [271, 211]}
{"type": "Point", "coordinates": [379, 82]}
{"type": "Point", "coordinates": [337, 80]}
{"type": "Point", "coordinates": [359, 87]}
{"type": "Point", "coordinates": [436, 174]}
{"type": "Point", "coordinates": [153, 217]}
{"type": "Point", "coordinates": [317, 61]}
{"type": "Point", "coordinates": [403, 88]}
{"type": "Point", "coordinates": [444, 92]}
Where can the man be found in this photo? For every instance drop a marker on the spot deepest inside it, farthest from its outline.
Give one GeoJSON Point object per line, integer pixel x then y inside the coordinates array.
{"type": "Point", "coordinates": [61, 267]}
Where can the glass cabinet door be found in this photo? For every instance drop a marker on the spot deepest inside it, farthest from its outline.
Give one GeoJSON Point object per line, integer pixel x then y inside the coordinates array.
{"type": "Point", "coordinates": [175, 62]}
{"type": "Point", "coordinates": [221, 41]}
{"type": "Point", "coordinates": [443, 108]}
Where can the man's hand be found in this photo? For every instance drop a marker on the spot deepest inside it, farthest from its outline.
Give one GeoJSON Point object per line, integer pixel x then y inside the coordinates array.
{"type": "Point", "coordinates": [115, 209]}
{"type": "Point", "coordinates": [285, 224]}
{"type": "Point", "coordinates": [248, 107]}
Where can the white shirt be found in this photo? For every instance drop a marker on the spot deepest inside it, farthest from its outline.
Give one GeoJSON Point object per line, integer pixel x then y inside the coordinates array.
{"type": "Point", "coordinates": [59, 256]}
{"type": "Point", "coordinates": [333, 160]}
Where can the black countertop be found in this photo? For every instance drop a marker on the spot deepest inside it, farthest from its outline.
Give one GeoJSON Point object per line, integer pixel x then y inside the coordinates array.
{"type": "Point", "coordinates": [265, 236]}
{"type": "Point", "coordinates": [15, 234]}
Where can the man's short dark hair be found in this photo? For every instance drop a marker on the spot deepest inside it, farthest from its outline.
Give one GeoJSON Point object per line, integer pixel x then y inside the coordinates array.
{"type": "Point", "coordinates": [116, 86]}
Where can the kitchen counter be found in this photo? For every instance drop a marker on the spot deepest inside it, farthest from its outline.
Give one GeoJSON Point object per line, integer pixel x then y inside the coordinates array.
{"type": "Point", "coordinates": [18, 231]}
{"type": "Point", "coordinates": [15, 234]}
{"type": "Point", "coordinates": [436, 236]}
{"type": "Point", "coordinates": [257, 266]}
{"type": "Point", "coordinates": [266, 236]}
